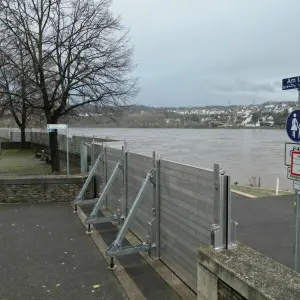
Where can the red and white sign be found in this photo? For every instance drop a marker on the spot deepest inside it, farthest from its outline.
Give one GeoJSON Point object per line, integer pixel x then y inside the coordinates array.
{"type": "Point", "coordinates": [295, 163]}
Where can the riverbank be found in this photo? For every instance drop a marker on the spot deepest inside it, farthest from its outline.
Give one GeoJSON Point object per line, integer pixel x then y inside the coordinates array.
{"type": "Point", "coordinates": [256, 192]}
{"type": "Point", "coordinates": [99, 126]}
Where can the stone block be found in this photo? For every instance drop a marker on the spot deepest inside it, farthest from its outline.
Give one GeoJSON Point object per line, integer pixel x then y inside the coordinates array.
{"type": "Point", "coordinates": [32, 189]}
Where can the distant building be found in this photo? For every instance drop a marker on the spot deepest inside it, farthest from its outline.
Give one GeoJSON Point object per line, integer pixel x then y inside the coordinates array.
{"type": "Point", "coordinates": [252, 124]}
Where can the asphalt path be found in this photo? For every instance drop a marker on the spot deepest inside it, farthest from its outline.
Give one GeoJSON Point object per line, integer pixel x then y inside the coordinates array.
{"type": "Point", "coordinates": [266, 224]}
{"type": "Point", "coordinates": [45, 254]}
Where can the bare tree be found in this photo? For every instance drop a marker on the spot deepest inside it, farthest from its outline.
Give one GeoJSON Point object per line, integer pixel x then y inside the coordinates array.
{"type": "Point", "coordinates": [14, 85]}
{"type": "Point", "coordinates": [79, 53]}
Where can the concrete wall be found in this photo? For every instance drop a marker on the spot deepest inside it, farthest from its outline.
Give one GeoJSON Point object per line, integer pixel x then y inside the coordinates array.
{"type": "Point", "coordinates": [32, 189]}
{"type": "Point", "coordinates": [243, 274]}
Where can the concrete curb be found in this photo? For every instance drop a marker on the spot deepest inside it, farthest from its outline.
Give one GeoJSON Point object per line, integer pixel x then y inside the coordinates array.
{"type": "Point", "coordinates": [244, 194]}
{"type": "Point", "coordinates": [130, 288]}
{"type": "Point", "coordinates": [162, 270]}
{"type": "Point", "coordinates": [125, 280]}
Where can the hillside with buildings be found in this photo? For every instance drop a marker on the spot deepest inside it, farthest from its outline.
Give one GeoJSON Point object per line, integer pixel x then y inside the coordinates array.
{"type": "Point", "coordinates": [266, 115]}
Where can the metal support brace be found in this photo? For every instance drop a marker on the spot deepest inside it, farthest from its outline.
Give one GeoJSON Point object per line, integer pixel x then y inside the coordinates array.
{"type": "Point", "coordinates": [154, 225]}
{"type": "Point", "coordinates": [124, 200]}
{"type": "Point", "coordinates": [79, 199]}
{"type": "Point", "coordinates": [157, 210]}
{"type": "Point", "coordinates": [223, 232]}
{"type": "Point", "coordinates": [93, 218]}
{"type": "Point", "coordinates": [105, 173]}
{"type": "Point", "coordinates": [87, 144]}
{"type": "Point", "coordinates": [116, 248]}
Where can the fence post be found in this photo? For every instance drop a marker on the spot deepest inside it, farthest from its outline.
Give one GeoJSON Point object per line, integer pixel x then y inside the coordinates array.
{"type": "Point", "coordinates": [231, 225]}
{"type": "Point", "coordinates": [157, 210]}
{"type": "Point", "coordinates": [124, 203]}
{"type": "Point", "coordinates": [92, 152]}
{"type": "Point", "coordinates": [105, 174]}
{"type": "Point", "coordinates": [83, 158]}
{"type": "Point", "coordinates": [154, 223]}
{"type": "Point", "coordinates": [93, 181]}
{"type": "Point", "coordinates": [223, 232]}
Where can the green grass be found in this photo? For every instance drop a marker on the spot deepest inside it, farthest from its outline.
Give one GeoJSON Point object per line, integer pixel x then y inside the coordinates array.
{"type": "Point", "coordinates": [259, 192]}
{"type": "Point", "coordinates": [24, 162]}
{"type": "Point", "coordinates": [21, 162]}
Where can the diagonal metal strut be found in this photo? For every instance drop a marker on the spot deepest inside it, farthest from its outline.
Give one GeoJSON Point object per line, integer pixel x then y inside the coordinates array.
{"type": "Point", "coordinates": [79, 198]}
{"type": "Point", "coordinates": [93, 218]}
{"type": "Point", "coordinates": [116, 248]}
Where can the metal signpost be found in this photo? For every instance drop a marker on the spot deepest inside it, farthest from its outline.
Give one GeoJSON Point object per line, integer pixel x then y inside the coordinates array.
{"type": "Point", "coordinates": [292, 156]}
{"type": "Point", "coordinates": [51, 127]}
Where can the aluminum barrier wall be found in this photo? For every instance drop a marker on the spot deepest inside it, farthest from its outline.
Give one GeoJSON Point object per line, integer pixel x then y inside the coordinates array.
{"type": "Point", "coordinates": [14, 134]}
{"type": "Point", "coordinates": [187, 200]}
{"type": "Point", "coordinates": [111, 158]}
{"type": "Point", "coordinates": [137, 168]}
{"type": "Point", "coordinates": [5, 133]}
{"type": "Point", "coordinates": [186, 216]}
{"type": "Point", "coordinates": [186, 211]}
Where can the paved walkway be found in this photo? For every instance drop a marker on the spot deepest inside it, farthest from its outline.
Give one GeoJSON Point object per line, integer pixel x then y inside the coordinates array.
{"type": "Point", "coordinates": [45, 254]}
{"type": "Point", "coordinates": [266, 224]}
{"type": "Point", "coordinates": [152, 286]}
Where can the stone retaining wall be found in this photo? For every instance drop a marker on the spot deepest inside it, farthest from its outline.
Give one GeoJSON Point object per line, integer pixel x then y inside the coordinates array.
{"type": "Point", "coordinates": [32, 189]}
{"type": "Point", "coordinates": [14, 145]}
{"type": "Point", "coordinates": [243, 274]}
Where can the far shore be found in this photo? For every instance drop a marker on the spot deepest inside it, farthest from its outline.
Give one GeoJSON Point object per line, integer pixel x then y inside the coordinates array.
{"type": "Point", "coordinates": [236, 128]}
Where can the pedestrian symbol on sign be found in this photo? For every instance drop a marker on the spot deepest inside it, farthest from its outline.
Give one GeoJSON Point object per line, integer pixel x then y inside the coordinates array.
{"type": "Point", "coordinates": [293, 125]}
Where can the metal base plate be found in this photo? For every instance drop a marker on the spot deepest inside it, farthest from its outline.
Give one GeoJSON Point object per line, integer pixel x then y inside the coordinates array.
{"type": "Point", "coordinates": [113, 268]}
{"type": "Point", "coordinates": [114, 250]}
{"type": "Point", "coordinates": [99, 220]}
{"type": "Point", "coordinates": [80, 202]}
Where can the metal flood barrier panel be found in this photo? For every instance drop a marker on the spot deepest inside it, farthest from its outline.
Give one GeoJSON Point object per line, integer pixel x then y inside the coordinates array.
{"type": "Point", "coordinates": [137, 168]}
{"type": "Point", "coordinates": [186, 207]}
{"type": "Point", "coordinates": [111, 157]}
{"type": "Point", "coordinates": [186, 216]}
{"type": "Point", "coordinates": [5, 133]}
{"type": "Point", "coordinates": [99, 175]}
{"type": "Point", "coordinates": [186, 200]}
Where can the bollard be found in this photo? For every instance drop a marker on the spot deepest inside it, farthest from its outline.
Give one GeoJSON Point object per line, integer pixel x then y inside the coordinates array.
{"type": "Point", "coordinates": [277, 186]}
{"type": "Point", "coordinates": [89, 230]}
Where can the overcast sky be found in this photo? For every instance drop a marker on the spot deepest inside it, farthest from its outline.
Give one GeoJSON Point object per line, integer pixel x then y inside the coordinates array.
{"type": "Point", "coordinates": [197, 52]}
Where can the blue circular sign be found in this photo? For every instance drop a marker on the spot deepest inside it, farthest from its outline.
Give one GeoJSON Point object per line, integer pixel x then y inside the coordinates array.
{"type": "Point", "coordinates": [293, 125]}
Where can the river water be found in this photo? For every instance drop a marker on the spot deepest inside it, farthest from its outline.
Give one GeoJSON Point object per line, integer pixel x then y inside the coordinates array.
{"type": "Point", "coordinates": [242, 153]}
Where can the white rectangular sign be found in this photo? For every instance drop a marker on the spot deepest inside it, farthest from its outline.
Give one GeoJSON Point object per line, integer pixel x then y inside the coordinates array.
{"type": "Point", "coordinates": [295, 166]}
{"type": "Point", "coordinates": [296, 185]}
{"type": "Point", "coordinates": [290, 176]}
{"type": "Point", "coordinates": [57, 126]}
{"type": "Point", "coordinates": [289, 147]}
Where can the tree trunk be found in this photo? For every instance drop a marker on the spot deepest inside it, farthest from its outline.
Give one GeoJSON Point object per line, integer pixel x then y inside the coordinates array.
{"type": "Point", "coordinates": [54, 151]}
{"type": "Point", "coordinates": [23, 137]}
